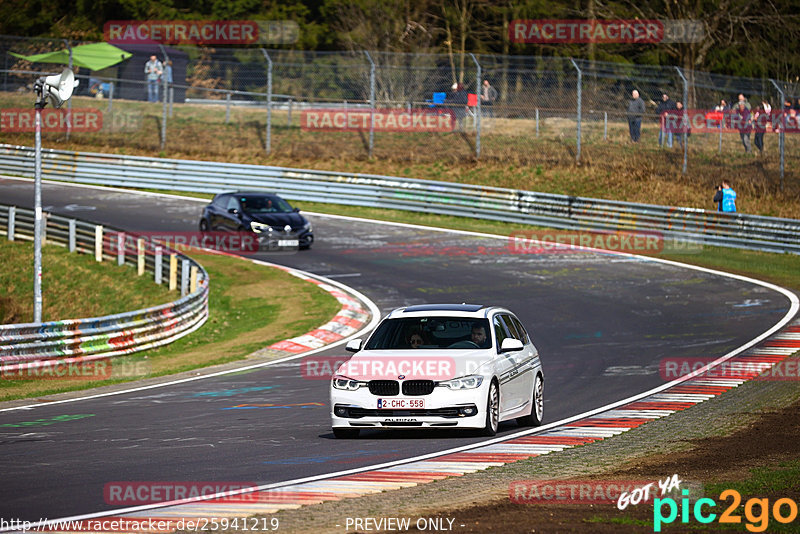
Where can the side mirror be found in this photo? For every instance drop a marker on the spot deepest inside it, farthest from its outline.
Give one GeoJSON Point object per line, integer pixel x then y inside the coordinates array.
{"type": "Point", "coordinates": [233, 211]}
{"type": "Point", "coordinates": [510, 344]}
{"type": "Point", "coordinates": [354, 345]}
{"type": "Point", "coordinates": [296, 210]}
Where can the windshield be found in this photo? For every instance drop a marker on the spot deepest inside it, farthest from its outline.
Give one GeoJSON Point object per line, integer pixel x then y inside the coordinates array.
{"type": "Point", "coordinates": [431, 333]}
{"type": "Point", "coordinates": [265, 205]}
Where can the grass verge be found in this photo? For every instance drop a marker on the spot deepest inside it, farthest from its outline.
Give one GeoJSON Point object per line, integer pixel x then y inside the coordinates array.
{"type": "Point", "coordinates": [250, 307]}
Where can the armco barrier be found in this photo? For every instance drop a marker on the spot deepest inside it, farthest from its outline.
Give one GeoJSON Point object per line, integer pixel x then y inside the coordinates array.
{"type": "Point", "coordinates": [31, 345]}
{"type": "Point", "coordinates": [493, 203]}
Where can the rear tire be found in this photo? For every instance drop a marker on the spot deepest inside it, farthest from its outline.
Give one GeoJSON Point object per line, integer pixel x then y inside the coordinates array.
{"type": "Point", "coordinates": [345, 433]}
{"type": "Point", "coordinates": [537, 405]}
{"type": "Point", "coordinates": [492, 410]}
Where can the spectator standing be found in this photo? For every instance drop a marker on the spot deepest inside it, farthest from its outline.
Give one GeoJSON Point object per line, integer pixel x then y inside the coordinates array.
{"type": "Point", "coordinates": [665, 106]}
{"type": "Point", "coordinates": [761, 121]}
{"type": "Point", "coordinates": [722, 106]}
{"type": "Point", "coordinates": [683, 130]}
{"type": "Point", "coordinates": [458, 101]}
{"type": "Point", "coordinates": [153, 70]}
{"type": "Point", "coordinates": [488, 98]}
{"type": "Point", "coordinates": [167, 77]}
{"type": "Point", "coordinates": [635, 112]}
{"type": "Point", "coordinates": [743, 100]}
{"type": "Point", "coordinates": [742, 120]}
{"type": "Point", "coordinates": [725, 197]}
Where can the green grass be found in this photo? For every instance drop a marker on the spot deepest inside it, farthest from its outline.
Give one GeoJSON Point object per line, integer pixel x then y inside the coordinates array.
{"type": "Point", "coordinates": [250, 307]}
{"type": "Point", "coordinates": [73, 285]}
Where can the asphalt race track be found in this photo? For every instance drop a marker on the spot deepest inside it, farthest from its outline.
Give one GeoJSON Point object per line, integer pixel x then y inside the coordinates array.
{"type": "Point", "coordinates": [602, 323]}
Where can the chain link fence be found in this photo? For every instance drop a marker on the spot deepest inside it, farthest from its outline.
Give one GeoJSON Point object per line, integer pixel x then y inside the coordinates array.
{"type": "Point", "coordinates": [416, 107]}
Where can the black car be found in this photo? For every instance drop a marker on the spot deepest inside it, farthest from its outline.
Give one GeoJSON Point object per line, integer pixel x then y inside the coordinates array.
{"type": "Point", "coordinates": [266, 214]}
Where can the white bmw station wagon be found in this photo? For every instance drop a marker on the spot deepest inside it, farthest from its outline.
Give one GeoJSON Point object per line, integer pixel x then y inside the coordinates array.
{"type": "Point", "coordinates": [439, 366]}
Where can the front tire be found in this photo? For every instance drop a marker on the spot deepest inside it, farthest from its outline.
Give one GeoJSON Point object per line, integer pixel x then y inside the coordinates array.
{"type": "Point", "coordinates": [537, 405]}
{"type": "Point", "coordinates": [345, 433]}
{"type": "Point", "coordinates": [492, 410]}
{"type": "Point", "coordinates": [203, 225]}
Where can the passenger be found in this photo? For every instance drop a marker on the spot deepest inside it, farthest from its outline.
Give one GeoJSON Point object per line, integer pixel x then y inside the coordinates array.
{"type": "Point", "coordinates": [415, 339]}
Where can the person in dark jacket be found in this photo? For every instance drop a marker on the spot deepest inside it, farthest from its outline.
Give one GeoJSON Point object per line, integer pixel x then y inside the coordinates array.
{"type": "Point", "coordinates": [457, 100]}
{"type": "Point", "coordinates": [662, 109]}
{"type": "Point", "coordinates": [635, 112]}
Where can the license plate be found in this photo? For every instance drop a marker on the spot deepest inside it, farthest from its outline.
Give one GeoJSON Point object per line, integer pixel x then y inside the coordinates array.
{"type": "Point", "coordinates": [400, 404]}
{"type": "Point", "coordinates": [288, 243]}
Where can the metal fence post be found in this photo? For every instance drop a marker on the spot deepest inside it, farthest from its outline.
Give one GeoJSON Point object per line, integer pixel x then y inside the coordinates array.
{"type": "Point", "coordinates": [110, 97]}
{"type": "Point", "coordinates": [158, 260]}
{"type": "Point", "coordinates": [72, 235]}
{"type": "Point", "coordinates": [684, 125]}
{"type": "Point", "coordinates": [227, 107]}
{"type": "Point", "coordinates": [605, 125]}
{"type": "Point", "coordinates": [184, 277]}
{"type": "Point", "coordinates": [12, 218]}
{"type": "Point", "coordinates": [579, 102]}
{"type": "Point", "coordinates": [371, 102]}
{"type": "Point", "coordinates": [289, 116]}
{"type": "Point", "coordinates": [121, 248]}
{"type": "Point", "coordinates": [98, 243]}
{"type": "Point", "coordinates": [268, 140]}
{"type": "Point", "coordinates": [781, 139]}
{"type": "Point", "coordinates": [69, 102]}
{"type": "Point", "coordinates": [477, 108]}
{"type": "Point", "coordinates": [164, 113]}
{"type": "Point", "coordinates": [537, 122]}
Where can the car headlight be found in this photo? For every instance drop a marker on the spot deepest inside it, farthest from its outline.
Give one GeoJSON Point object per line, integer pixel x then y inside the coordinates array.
{"type": "Point", "coordinates": [258, 227]}
{"type": "Point", "coordinates": [465, 382]}
{"type": "Point", "coordinates": [348, 384]}
{"type": "Point", "coordinates": [307, 227]}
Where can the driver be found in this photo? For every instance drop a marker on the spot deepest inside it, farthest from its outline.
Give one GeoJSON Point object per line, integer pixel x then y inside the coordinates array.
{"type": "Point", "coordinates": [478, 336]}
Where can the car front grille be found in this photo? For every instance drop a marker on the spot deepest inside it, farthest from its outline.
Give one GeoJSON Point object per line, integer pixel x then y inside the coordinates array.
{"type": "Point", "coordinates": [386, 388]}
{"type": "Point", "coordinates": [437, 412]}
{"type": "Point", "coordinates": [418, 387]}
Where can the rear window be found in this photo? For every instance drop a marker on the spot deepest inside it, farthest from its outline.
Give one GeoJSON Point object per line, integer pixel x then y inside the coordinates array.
{"type": "Point", "coordinates": [431, 333]}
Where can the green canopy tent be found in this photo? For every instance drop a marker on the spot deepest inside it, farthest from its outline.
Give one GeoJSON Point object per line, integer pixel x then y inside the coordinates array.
{"type": "Point", "coordinates": [95, 56]}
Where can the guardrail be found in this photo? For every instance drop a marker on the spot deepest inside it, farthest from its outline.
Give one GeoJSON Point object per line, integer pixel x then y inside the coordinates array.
{"type": "Point", "coordinates": [493, 203]}
{"type": "Point", "coordinates": [31, 345]}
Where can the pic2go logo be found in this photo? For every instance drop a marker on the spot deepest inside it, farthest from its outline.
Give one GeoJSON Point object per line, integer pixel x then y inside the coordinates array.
{"type": "Point", "coordinates": [784, 511]}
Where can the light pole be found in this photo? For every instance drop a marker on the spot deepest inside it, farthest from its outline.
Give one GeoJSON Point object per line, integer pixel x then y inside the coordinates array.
{"type": "Point", "coordinates": [55, 89]}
